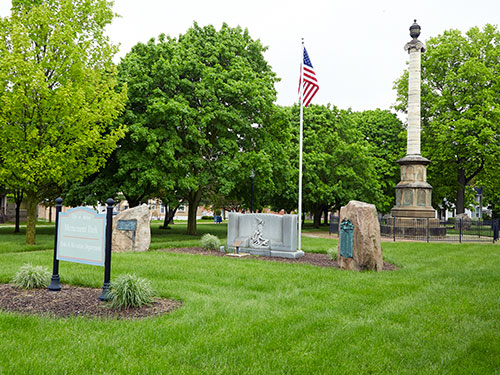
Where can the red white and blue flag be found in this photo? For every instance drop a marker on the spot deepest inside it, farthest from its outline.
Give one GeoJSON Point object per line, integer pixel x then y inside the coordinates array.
{"type": "Point", "coordinates": [308, 80]}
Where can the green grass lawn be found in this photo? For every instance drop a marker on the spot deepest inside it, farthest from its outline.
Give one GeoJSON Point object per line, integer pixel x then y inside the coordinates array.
{"type": "Point", "coordinates": [439, 313]}
{"type": "Point", "coordinates": [11, 242]}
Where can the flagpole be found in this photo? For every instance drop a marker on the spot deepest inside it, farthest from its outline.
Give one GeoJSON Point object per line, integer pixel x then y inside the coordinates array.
{"type": "Point", "coordinates": [300, 146]}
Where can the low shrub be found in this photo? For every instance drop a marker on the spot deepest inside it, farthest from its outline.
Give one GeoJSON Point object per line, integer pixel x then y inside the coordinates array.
{"type": "Point", "coordinates": [210, 242]}
{"type": "Point", "coordinates": [332, 253]}
{"type": "Point", "coordinates": [207, 218]}
{"type": "Point", "coordinates": [30, 276]}
{"type": "Point", "coordinates": [130, 291]}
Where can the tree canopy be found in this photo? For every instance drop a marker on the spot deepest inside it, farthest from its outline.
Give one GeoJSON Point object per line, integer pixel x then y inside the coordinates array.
{"type": "Point", "coordinates": [196, 109]}
{"type": "Point", "coordinates": [57, 95]}
{"type": "Point", "coordinates": [338, 165]}
{"type": "Point", "coordinates": [460, 109]}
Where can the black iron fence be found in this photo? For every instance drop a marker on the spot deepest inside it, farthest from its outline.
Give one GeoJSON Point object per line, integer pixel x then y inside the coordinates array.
{"type": "Point", "coordinates": [334, 224]}
{"type": "Point", "coordinates": [460, 230]}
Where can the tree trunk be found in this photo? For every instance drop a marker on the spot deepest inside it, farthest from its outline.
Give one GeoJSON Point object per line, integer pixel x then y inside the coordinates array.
{"type": "Point", "coordinates": [18, 213]}
{"type": "Point", "coordinates": [460, 206]}
{"type": "Point", "coordinates": [18, 198]}
{"type": "Point", "coordinates": [318, 212]}
{"type": "Point", "coordinates": [50, 214]}
{"type": "Point", "coordinates": [325, 212]}
{"type": "Point", "coordinates": [169, 217]}
{"type": "Point", "coordinates": [32, 201]}
{"type": "Point", "coordinates": [193, 200]}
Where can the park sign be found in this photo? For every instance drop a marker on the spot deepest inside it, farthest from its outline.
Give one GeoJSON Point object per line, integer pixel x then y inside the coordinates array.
{"type": "Point", "coordinates": [81, 236]}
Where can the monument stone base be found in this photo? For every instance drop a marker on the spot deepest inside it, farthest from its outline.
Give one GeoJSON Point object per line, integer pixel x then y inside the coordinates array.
{"type": "Point", "coordinates": [414, 212]}
{"type": "Point", "coordinates": [273, 253]}
{"type": "Point", "coordinates": [413, 193]}
{"type": "Point", "coordinates": [414, 228]}
{"type": "Point", "coordinates": [239, 255]}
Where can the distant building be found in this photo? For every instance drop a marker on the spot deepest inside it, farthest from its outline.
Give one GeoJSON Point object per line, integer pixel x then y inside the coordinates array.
{"type": "Point", "coordinates": [8, 210]}
{"type": "Point", "coordinates": [477, 211]}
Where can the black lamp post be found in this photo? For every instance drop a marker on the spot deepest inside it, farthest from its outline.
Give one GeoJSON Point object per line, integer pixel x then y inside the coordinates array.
{"type": "Point", "coordinates": [252, 176]}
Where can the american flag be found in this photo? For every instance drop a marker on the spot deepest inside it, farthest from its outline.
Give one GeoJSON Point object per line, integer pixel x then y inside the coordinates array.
{"type": "Point", "coordinates": [308, 80]}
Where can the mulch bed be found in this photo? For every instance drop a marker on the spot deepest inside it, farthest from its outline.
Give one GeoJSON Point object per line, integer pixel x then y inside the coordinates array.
{"type": "Point", "coordinates": [320, 260]}
{"type": "Point", "coordinates": [74, 301]}
{"type": "Point", "coordinates": [80, 301]}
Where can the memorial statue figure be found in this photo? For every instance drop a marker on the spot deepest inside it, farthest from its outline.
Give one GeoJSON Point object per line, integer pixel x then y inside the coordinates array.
{"type": "Point", "coordinates": [257, 241]}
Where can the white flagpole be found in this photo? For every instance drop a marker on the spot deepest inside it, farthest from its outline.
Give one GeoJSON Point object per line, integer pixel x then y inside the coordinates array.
{"type": "Point", "coordinates": [300, 145]}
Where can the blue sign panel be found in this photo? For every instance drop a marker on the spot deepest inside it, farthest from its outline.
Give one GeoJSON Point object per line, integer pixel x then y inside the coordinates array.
{"type": "Point", "coordinates": [81, 236]}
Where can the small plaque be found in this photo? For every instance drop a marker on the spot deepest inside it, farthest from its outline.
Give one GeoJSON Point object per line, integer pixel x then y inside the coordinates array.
{"type": "Point", "coordinates": [126, 225]}
{"type": "Point", "coordinates": [346, 235]}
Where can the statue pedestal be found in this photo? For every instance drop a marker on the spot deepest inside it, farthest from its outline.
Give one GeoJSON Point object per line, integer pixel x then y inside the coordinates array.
{"type": "Point", "coordinates": [413, 193]}
{"type": "Point", "coordinates": [413, 228]}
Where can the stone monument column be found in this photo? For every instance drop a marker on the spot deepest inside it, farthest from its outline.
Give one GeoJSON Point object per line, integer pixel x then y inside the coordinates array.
{"type": "Point", "coordinates": [414, 48]}
{"type": "Point", "coordinates": [413, 193]}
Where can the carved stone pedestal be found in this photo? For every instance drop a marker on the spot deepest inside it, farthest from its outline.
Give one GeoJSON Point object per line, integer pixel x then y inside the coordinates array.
{"type": "Point", "coordinates": [413, 193]}
{"type": "Point", "coordinates": [415, 228]}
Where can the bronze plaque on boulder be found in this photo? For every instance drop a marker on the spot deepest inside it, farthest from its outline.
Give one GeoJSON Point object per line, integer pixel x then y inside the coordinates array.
{"type": "Point", "coordinates": [346, 229]}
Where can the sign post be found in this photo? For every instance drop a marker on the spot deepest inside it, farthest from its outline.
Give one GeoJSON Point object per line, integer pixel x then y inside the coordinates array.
{"type": "Point", "coordinates": [107, 264]}
{"type": "Point", "coordinates": [55, 286]}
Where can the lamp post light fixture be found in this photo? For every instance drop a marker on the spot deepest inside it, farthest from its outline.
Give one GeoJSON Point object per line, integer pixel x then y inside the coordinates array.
{"type": "Point", "coordinates": [252, 176]}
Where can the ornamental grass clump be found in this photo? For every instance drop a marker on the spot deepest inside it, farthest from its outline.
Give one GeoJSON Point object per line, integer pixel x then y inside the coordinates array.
{"type": "Point", "coordinates": [332, 254]}
{"type": "Point", "coordinates": [30, 276]}
{"type": "Point", "coordinates": [130, 291]}
{"type": "Point", "coordinates": [210, 242]}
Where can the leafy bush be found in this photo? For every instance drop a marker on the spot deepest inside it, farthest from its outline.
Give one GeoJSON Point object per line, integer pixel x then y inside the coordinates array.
{"type": "Point", "coordinates": [207, 218]}
{"type": "Point", "coordinates": [332, 253]}
{"type": "Point", "coordinates": [210, 242]}
{"type": "Point", "coordinates": [30, 276]}
{"type": "Point", "coordinates": [130, 291]}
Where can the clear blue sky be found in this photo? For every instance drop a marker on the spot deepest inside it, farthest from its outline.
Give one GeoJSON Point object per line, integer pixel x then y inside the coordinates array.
{"type": "Point", "coordinates": [355, 46]}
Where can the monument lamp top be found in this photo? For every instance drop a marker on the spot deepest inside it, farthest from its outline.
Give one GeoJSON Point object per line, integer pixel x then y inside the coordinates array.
{"type": "Point", "coordinates": [415, 44]}
{"type": "Point", "coordinates": [415, 30]}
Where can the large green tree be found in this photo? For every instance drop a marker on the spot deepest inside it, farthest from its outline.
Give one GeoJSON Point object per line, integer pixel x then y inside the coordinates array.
{"type": "Point", "coordinates": [57, 95]}
{"type": "Point", "coordinates": [490, 182]}
{"type": "Point", "coordinates": [460, 109]}
{"type": "Point", "coordinates": [337, 163]}
{"type": "Point", "coordinates": [386, 137]}
{"type": "Point", "coordinates": [269, 162]}
{"type": "Point", "coordinates": [196, 112]}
